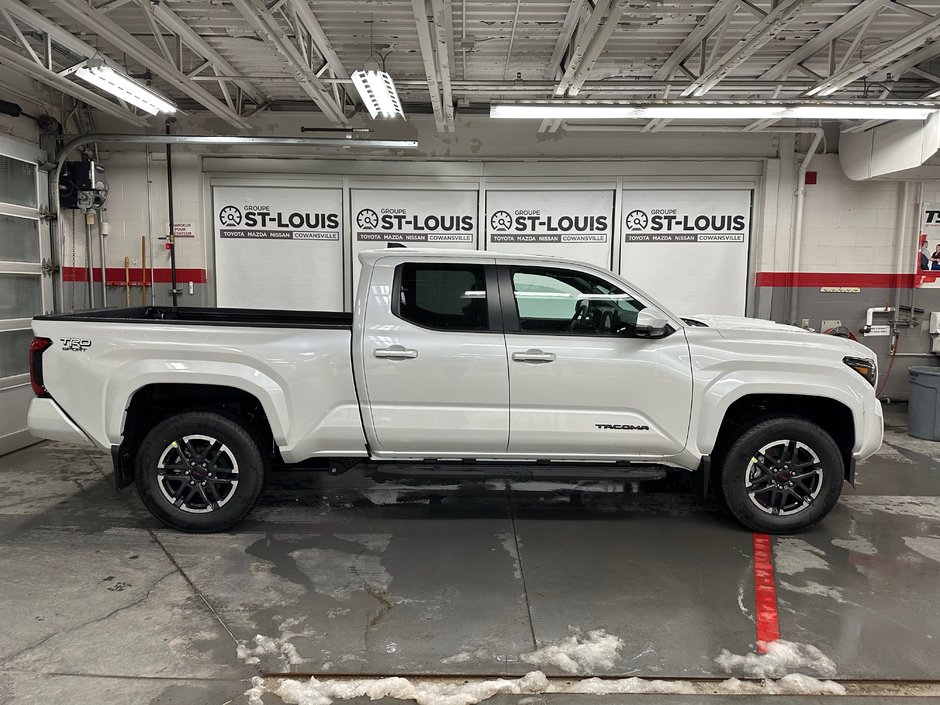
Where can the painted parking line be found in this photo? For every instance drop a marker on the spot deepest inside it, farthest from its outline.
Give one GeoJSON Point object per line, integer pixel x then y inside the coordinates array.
{"type": "Point", "coordinates": [765, 590]}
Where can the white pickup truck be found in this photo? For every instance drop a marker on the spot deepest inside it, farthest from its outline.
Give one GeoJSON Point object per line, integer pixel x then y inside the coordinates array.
{"type": "Point", "coordinates": [459, 364]}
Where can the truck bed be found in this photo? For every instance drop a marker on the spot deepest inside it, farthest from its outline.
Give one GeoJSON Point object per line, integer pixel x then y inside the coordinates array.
{"type": "Point", "coordinates": [267, 318]}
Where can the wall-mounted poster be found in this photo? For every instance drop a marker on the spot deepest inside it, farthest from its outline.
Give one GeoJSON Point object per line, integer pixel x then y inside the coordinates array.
{"type": "Point", "coordinates": [278, 247]}
{"type": "Point", "coordinates": [445, 218]}
{"type": "Point", "coordinates": [688, 248]}
{"type": "Point", "coordinates": [928, 252]}
{"type": "Point", "coordinates": [576, 224]}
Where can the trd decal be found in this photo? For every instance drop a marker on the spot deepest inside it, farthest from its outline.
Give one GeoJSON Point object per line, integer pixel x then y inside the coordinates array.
{"type": "Point", "coordinates": [621, 427]}
{"type": "Point", "coordinates": [75, 344]}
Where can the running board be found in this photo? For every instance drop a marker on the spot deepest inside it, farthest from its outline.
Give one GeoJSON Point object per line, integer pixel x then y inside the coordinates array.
{"type": "Point", "coordinates": [513, 471]}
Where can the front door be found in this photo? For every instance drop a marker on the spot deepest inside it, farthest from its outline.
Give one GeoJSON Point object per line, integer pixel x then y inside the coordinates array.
{"type": "Point", "coordinates": [434, 359]}
{"type": "Point", "coordinates": [583, 381]}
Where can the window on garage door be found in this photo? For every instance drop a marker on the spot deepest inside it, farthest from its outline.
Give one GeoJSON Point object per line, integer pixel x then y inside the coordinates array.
{"type": "Point", "coordinates": [22, 285]}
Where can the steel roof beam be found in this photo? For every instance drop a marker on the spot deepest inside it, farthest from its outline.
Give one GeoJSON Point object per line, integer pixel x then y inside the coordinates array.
{"type": "Point", "coordinates": [109, 31]}
{"type": "Point", "coordinates": [853, 17]}
{"type": "Point", "coordinates": [444, 33]}
{"type": "Point", "coordinates": [200, 46]}
{"type": "Point", "coordinates": [693, 40]}
{"type": "Point", "coordinates": [44, 75]}
{"type": "Point", "coordinates": [586, 37]}
{"type": "Point", "coordinates": [267, 28]}
{"type": "Point", "coordinates": [309, 20]}
{"type": "Point", "coordinates": [568, 27]}
{"type": "Point", "coordinates": [912, 40]}
{"type": "Point", "coordinates": [423, 27]}
{"type": "Point", "coordinates": [753, 40]}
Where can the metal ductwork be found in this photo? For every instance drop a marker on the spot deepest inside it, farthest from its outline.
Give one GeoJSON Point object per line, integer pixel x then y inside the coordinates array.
{"type": "Point", "coordinates": [895, 150]}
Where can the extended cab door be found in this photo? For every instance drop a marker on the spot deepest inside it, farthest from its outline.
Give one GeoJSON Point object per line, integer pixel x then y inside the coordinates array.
{"type": "Point", "coordinates": [433, 358]}
{"type": "Point", "coordinates": [584, 380]}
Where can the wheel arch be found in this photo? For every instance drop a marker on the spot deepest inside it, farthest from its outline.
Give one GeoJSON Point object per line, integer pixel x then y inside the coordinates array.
{"type": "Point", "coordinates": [830, 414]}
{"type": "Point", "coordinates": [152, 403]}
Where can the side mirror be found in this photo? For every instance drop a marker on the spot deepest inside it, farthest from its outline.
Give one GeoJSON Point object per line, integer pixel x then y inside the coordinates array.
{"type": "Point", "coordinates": [650, 323]}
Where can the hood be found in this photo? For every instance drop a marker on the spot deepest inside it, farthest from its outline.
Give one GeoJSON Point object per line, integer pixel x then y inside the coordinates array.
{"type": "Point", "coordinates": [741, 328]}
{"type": "Point", "coordinates": [739, 323]}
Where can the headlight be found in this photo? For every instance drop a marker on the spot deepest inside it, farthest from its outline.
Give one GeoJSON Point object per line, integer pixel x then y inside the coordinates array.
{"type": "Point", "coordinates": [865, 367]}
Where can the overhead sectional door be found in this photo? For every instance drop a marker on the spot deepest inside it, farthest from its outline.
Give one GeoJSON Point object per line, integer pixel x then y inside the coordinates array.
{"type": "Point", "coordinates": [278, 247]}
{"type": "Point", "coordinates": [562, 222]}
{"type": "Point", "coordinates": [24, 290]}
{"type": "Point", "coordinates": [688, 247]}
{"type": "Point", "coordinates": [422, 214]}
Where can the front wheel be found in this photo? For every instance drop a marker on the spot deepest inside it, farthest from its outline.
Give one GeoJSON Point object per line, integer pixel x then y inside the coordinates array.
{"type": "Point", "coordinates": [199, 471]}
{"type": "Point", "coordinates": [782, 475]}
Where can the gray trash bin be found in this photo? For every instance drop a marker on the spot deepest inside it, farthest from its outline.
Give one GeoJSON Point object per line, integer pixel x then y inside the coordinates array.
{"type": "Point", "coordinates": [923, 409]}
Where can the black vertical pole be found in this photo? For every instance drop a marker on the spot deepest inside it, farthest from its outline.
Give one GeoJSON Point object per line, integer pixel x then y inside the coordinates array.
{"type": "Point", "coordinates": [172, 240]}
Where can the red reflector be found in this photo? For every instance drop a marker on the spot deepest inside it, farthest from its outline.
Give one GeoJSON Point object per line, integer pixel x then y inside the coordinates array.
{"type": "Point", "coordinates": [810, 178]}
{"type": "Point", "coordinates": [36, 348]}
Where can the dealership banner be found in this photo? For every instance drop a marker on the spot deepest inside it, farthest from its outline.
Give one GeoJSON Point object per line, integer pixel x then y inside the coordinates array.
{"type": "Point", "coordinates": [927, 265]}
{"type": "Point", "coordinates": [562, 223]}
{"type": "Point", "coordinates": [688, 248]}
{"type": "Point", "coordinates": [278, 247]}
{"type": "Point", "coordinates": [422, 217]}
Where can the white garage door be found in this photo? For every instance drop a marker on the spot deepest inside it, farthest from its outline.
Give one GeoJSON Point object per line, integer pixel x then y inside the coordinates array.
{"type": "Point", "coordinates": [688, 248]}
{"type": "Point", "coordinates": [571, 223]}
{"type": "Point", "coordinates": [278, 247]}
{"type": "Point", "coordinates": [23, 288]}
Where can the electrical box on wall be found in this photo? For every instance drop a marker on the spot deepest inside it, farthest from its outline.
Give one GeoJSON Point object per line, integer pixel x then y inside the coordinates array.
{"type": "Point", "coordinates": [934, 326]}
{"type": "Point", "coordinates": [82, 185]}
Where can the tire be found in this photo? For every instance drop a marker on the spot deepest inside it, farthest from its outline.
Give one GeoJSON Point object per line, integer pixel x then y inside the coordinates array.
{"type": "Point", "coordinates": [208, 497]}
{"type": "Point", "coordinates": [782, 452]}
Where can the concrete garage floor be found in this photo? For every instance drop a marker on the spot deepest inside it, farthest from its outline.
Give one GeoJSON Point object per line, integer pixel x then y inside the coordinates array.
{"type": "Point", "coordinates": [101, 604]}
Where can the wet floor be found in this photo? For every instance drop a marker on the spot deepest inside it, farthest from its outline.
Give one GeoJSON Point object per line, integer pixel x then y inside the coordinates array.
{"type": "Point", "coordinates": [339, 575]}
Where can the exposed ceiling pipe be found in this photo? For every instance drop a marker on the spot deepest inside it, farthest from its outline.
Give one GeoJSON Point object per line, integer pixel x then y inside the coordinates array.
{"type": "Point", "coordinates": [208, 140]}
{"type": "Point", "coordinates": [798, 220]}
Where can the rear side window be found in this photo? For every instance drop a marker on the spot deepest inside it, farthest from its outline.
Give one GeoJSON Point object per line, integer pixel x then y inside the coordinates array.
{"type": "Point", "coordinates": [443, 296]}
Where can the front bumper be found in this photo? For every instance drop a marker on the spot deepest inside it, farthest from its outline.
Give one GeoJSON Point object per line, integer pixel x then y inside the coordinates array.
{"type": "Point", "coordinates": [47, 420]}
{"type": "Point", "coordinates": [872, 432]}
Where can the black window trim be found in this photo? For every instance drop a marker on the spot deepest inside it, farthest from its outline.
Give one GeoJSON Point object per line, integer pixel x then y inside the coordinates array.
{"type": "Point", "coordinates": [510, 308]}
{"type": "Point", "coordinates": [494, 310]}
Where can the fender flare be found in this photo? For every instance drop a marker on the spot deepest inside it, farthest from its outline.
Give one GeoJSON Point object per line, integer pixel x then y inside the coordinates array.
{"type": "Point", "coordinates": [127, 380]}
{"type": "Point", "coordinates": [725, 391]}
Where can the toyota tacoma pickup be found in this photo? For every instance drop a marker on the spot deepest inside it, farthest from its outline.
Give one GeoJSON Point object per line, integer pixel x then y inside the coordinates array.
{"type": "Point", "coordinates": [459, 365]}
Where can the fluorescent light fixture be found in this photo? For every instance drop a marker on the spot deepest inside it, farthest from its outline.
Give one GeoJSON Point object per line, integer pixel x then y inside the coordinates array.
{"type": "Point", "coordinates": [567, 110]}
{"type": "Point", "coordinates": [121, 86]}
{"type": "Point", "coordinates": [377, 90]}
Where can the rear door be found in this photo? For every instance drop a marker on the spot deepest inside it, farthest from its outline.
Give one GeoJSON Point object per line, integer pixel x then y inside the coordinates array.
{"type": "Point", "coordinates": [583, 381]}
{"type": "Point", "coordinates": [433, 359]}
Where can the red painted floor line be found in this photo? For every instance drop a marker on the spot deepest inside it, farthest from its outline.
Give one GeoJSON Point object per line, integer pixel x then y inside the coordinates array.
{"type": "Point", "coordinates": [765, 589]}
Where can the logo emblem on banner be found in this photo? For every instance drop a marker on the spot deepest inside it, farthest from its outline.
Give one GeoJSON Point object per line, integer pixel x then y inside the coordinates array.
{"type": "Point", "coordinates": [367, 218]}
{"type": "Point", "coordinates": [230, 215]}
{"type": "Point", "coordinates": [500, 221]}
{"type": "Point", "coordinates": [637, 220]}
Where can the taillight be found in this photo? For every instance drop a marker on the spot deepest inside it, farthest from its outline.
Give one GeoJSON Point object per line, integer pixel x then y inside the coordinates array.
{"type": "Point", "coordinates": [36, 348]}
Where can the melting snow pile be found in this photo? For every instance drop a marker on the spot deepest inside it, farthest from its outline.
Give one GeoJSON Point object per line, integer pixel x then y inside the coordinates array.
{"type": "Point", "coordinates": [317, 692]}
{"type": "Point", "coordinates": [265, 646]}
{"type": "Point", "coordinates": [443, 692]}
{"type": "Point", "coordinates": [579, 652]}
{"type": "Point", "coordinates": [782, 657]}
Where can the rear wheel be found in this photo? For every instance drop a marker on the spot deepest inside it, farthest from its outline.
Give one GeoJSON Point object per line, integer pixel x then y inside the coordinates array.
{"type": "Point", "coordinates": [199, 471]}
{"type": "Point", "coordinates": [781, 475]}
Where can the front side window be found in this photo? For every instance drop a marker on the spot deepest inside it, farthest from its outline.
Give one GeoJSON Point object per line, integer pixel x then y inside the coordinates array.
{"type": "Point", "coordinates": [444, 297]}
{"type": "Point", "coordinates": [574, 303]}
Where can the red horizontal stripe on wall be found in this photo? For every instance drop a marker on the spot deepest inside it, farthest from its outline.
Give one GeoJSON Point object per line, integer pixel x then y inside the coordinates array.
{"type": "Point", "coordinates": [115, 275]}
{"type": "Point", "coordinates": [859, 279]}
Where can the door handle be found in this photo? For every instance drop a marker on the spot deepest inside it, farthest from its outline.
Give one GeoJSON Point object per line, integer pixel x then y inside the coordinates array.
{"type": "Point", "coordinates": [395, 352]}
{"type": "Point", "coordinates": [533, 356]}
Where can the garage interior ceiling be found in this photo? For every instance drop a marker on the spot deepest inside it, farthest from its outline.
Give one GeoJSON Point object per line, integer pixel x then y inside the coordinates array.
{"type": "Point", "coordinates": [237, 57]}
